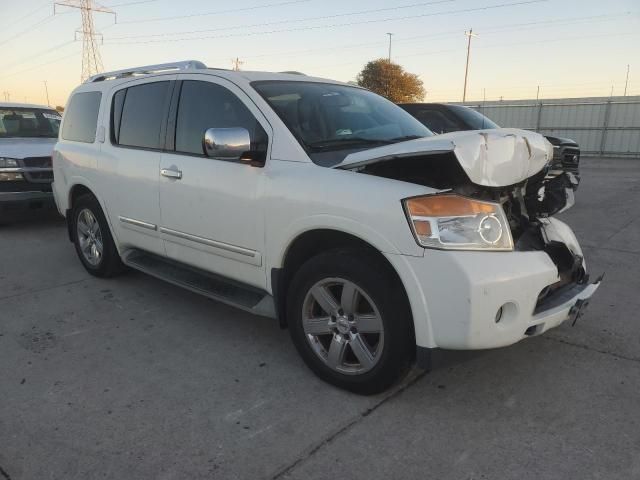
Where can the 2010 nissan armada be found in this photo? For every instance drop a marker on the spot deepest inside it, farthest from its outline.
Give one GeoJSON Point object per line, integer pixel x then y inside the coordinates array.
{"type": "Point", "coordinates": [325, 206]}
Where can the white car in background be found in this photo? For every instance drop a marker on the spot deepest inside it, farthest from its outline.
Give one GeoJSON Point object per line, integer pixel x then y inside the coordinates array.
{"type": "Point", "coordinates": [27, 136]}
{"type": "Point", "coordinates": [323, 205]}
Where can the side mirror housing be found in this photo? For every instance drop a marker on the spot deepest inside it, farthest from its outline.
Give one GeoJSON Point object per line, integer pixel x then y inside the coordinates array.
{"type": "Point", "coordinates": [226, 143]}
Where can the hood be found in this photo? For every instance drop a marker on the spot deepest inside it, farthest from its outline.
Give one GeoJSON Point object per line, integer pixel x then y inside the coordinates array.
{"type": "Point", "coordinates": [26, 147]}
{"type": "Point", "coordinates": [492, 158]}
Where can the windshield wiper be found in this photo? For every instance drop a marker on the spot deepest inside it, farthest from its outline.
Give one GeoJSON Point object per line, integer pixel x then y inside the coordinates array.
{"type": "Point", "coordinates": [405, 138]}
{"type": "Point", "coordinates": [346, 142]}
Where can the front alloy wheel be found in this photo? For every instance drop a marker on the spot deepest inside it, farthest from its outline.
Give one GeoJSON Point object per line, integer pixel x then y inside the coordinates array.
{"type": "Point", "coordinates": [343, 326]}
{"type": "Point", "coordinates": [350, 320]}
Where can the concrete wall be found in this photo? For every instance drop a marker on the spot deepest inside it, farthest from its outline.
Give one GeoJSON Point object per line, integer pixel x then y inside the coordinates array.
{"type": "Point", "coordinates": [601, 125]}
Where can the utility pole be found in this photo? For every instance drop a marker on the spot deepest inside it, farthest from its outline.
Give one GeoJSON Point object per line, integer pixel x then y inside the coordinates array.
{"type": "Point", "coordinates": [469, 34]}
{"type": "Point", "coordinates": [91, 59]}
{"type": "Point", "coordinates": [7, 96]}
{"type": "Point", "coordinates": [626, 82]}
{"type": "Point", "coordinates": [236, 64]}
{"type": "Point", "coordinates": [538, 93]}
{"type": "Point", "coordinates": [46, 89]}
{"type": "Point", "coordinates": [390, 35]}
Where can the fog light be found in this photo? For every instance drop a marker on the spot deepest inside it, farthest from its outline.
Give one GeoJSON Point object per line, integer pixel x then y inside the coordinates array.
{"type": "Point", "coordinates": [499, 315]}
{"type": "Point", "coordinates": [10, 177]}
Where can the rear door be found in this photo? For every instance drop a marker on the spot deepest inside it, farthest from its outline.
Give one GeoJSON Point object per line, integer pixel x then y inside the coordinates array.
{"type": "Point", "coordinates": [130, 161]}
{"type": "Point", "coordinates": [211, 214]}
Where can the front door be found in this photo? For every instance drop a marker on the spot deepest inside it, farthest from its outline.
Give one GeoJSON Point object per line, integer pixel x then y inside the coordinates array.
{"type": "Point", "coordinates": [210, 208]}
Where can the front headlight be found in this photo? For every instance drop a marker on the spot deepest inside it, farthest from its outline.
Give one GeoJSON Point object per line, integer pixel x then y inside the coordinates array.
{"type": "Point", "coordinates": [454, 222]}
{"type": "Point", "coordinates": [8, 162]}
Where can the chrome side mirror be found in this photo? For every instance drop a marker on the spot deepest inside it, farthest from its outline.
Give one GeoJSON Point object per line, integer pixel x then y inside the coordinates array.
{"type": "Point", "coordinates": [226, 143]}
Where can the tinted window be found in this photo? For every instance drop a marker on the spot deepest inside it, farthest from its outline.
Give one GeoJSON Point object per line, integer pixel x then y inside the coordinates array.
{"type": "Point", "coordinates": [205, 105]}
{"type": "Point", "coordinates": [474, 119]}
{"type": "Point", "coordinates": [81, 118]}
{"type": "Point", "coordinates": [142, 115]}
{"type": "Point", "coordinates": [437, 121]}
{"type": "Point", "coordinates": [116, 114]}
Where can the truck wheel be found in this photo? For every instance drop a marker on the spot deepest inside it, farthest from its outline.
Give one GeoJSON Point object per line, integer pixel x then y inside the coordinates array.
{"type": "Point", "coordinates": [350, 321]}
{"type": "Point", "coordinates": [93, 240]}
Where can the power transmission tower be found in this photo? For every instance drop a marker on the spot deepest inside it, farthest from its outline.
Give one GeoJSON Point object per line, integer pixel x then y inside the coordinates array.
{"type": "Point", "coordinates": [91, 59]}
{"type": "Point", "coordinates": [469, 34]}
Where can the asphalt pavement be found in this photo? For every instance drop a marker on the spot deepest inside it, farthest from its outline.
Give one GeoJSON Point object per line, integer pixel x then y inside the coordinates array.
{"type": "Point", "coordinates": [132, 378]}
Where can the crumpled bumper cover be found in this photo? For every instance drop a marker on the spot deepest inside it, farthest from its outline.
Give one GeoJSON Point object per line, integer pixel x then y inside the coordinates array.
{"type": "Point", "coordinates": [475, 300]}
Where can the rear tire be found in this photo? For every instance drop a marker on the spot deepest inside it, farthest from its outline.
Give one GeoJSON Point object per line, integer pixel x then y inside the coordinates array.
{"type": "Point", "coordinates": [92, 238]}
{"type": "Point", "coordinates": [350, 321]}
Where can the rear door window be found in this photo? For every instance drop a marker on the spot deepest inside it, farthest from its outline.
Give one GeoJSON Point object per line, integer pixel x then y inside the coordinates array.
{"type": "Point", "coordinates": [138, 115]}
{"type": "Point", "coordinates": [81, 118]}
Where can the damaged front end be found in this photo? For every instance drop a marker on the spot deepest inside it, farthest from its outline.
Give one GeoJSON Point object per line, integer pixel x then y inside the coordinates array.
{"type": "Point", "coordinates": [509, 167]}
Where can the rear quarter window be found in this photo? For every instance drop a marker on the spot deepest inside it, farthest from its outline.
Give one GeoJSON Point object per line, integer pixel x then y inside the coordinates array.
{"type": "Point", "coordinates": [81, 118]}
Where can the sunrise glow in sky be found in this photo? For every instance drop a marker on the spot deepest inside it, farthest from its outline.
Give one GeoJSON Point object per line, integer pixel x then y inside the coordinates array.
{"type": "Point", "coordinates": [567, 47]}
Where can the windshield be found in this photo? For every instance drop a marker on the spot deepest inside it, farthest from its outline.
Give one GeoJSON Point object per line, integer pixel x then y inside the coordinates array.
{"type": "Point", "coordinates": [331, 121]}
{"type": "Point", "coordinates": [29, 122]}
{"type": "Point", "coordinates": [473, 118]}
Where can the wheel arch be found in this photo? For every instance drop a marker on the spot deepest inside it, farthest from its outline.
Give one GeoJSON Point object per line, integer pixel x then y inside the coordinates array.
{"type": "Point", "coordinates": [311, 243]}
{"type": "Point", "coordinates": [76, 191]}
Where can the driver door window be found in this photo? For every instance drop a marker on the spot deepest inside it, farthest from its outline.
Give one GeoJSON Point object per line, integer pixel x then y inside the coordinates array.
{"type": "Point", "coordinates": [206, 105]}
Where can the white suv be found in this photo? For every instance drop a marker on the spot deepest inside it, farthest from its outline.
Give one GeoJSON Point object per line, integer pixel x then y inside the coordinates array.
{"type": "Point", "coordinates": [323, 205]}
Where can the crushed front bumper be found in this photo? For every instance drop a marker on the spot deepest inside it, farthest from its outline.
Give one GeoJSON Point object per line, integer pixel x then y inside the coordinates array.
{"type": "Point", "coordinates": [475, 300]}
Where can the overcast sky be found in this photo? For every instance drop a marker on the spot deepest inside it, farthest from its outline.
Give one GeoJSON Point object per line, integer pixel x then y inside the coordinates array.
{"type": "Point", "coordinates": [567, 47]}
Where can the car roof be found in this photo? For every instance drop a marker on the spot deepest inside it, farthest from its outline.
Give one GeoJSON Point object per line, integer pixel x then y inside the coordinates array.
{"type": "Point", "coordinates": [24, 105]}
{"type": "Point", "coordinates": [107, 80]}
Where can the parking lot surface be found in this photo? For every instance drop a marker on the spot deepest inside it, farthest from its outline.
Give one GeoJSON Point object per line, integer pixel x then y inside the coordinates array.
{"type": "Point", "coordinates": [132, 378]}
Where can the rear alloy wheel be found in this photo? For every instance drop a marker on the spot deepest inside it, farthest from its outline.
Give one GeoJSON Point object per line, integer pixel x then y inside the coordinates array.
{"type": "Point", "coordinates": [350, 320]}
{"type": "Point", "coordinates": [89, 237]}
{"type": "Point", "coordinates": [92, 238]}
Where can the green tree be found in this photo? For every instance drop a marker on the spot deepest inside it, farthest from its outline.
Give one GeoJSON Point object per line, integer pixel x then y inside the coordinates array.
{"type": "Point", "coordinates": [391, 81]}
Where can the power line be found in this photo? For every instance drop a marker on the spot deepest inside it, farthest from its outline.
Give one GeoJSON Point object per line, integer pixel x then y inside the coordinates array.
{"type": "Point", "coordinates": [295, 20]}
{"type": "Point", "coordinates": [127, 4]}
{"type": "Point", "coordinates": [37, 54]}
{"type": "Point", "coordinates": [215, 12]}
{"type": "Point", "coordinates": [18, 20]}
{"type": "Point", "coordinates": [316, 27]}
{"type": "Point", "coordinates": [452, 33]}
{"type": "Point", "coordinates": [40, 22]}
{"type": "Point", "coordinates": [41, 65]}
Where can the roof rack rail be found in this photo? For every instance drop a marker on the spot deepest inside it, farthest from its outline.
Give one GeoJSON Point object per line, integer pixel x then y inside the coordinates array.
{"type": "Point", "coordinates": [293, 72]}
{"type": "Point", "coordinates": [161, 67]}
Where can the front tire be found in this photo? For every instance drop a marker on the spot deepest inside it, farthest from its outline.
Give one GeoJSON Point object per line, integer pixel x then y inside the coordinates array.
{"type": "Point", "coordinates": [92, 238]}
{"type": "Point", "coordinates": [350, 321]}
